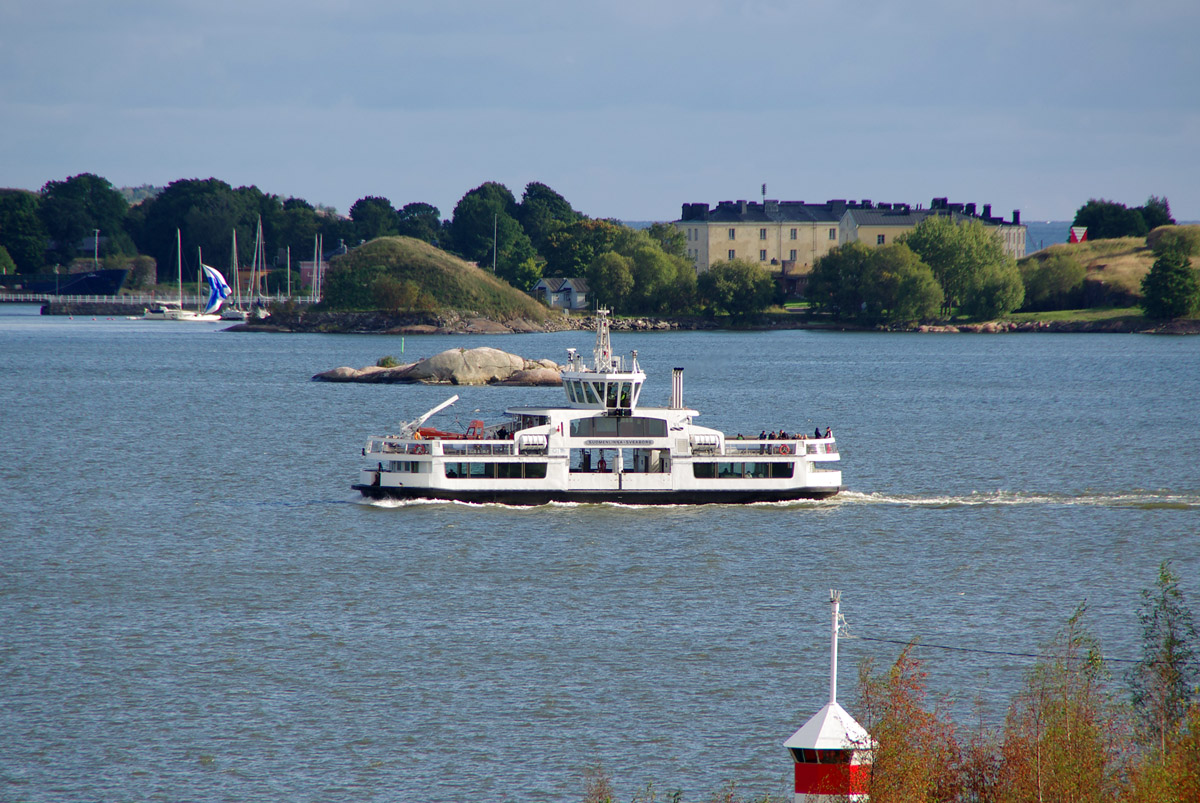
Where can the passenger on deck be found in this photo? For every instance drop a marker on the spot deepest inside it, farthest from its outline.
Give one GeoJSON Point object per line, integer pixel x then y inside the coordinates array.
{"type": "Point", "coordinates": [817, 433]}
{"type": "Point", "coordinates": [502, 434]}
{"type": "Point", "coordinates": [601, 466]}
{"type": "Point", "coordinates": [828, 432]}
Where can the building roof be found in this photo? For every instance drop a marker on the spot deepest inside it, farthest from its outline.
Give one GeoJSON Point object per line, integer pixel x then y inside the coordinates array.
{"type": "Point", "coordinates": [831, 728]}
{"type": "Point", "coordinates": [865, 212]}
{"type": "Point", "coordinates": [556, 284]}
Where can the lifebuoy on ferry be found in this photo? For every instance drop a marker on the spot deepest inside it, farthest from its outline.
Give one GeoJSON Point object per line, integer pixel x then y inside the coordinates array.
{"type": "Point", "coordinates": [418, 449]}
{"type": "Point", "coordinates": [783, 449]}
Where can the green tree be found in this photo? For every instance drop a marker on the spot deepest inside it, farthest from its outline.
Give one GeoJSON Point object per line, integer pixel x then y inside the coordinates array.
{"type": "Point", "coordinates": [994, 291]}
{"type": "Point", "coordinates": [420, 220]}
{"type": "Point", "coordinates": [905, 289]}
{"type": "Point", "coordinates": [7, 266]}
{"type": "Point", "coordinates": [570, 250]}
{"type": "Point", "coordinates": [610, 276]}
{"type": "Point", "coordinates": [1053, 282]}
{"type": "Point", "coordinates": [839, 281]}
{"type": "Point", "coordinates": [969, 262]}
{"type": "Point", "coordinates": [653, 274]}
{"type": "Point", "coordinates": [1156, 212]}
{"type": "Point", "coordinates": [1108, 219]}
{"type": "Point", "coordinates": [1167, 678]}
{"type": "Point", "coordinates": [542, 212]}
{"type": "Point", "coordinates": [72, 210]}
{"type": "Point", "coordinates": [670, 237]}
{"type": "Point", "coordinates": [1062, 736]}
{"type": "Point", "coordinates": [1171, 288]}
{"type": "Point", "coordinates": [373, 217]}
{"type": "Point", "coordinates": [482, 217]}
{"type": "Point", "coordinates": [21, 230]}
{"type": "Point", "coordinates": [736, 287]}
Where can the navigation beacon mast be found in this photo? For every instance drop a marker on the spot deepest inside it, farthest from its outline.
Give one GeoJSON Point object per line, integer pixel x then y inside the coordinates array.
{"type": "Point", "coordinates": [832, 752]}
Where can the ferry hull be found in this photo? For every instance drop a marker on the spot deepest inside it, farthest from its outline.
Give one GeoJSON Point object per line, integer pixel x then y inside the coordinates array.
{"type": "Point", "coordinates": [542, 497]}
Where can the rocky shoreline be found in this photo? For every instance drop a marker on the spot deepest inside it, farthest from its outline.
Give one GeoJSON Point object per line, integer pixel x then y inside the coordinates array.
{"type": "Point", "coordinates": [478, 366]}
{"type": "Point", "coordinates": [452, 323]}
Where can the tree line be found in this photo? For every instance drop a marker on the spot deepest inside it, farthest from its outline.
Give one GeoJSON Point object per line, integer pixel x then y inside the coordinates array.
{"type": "Point", "coordinates": [939, 269]}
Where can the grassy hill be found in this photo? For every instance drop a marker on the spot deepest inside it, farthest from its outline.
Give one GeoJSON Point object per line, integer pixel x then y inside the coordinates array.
{"type": "Point", "coordinates": [1118, 264]}
{"type": "Point", "coordinates": [402, 273]}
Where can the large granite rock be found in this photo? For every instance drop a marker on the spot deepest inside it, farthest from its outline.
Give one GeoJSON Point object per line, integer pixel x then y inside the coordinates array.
{"type": "Point", "coordinates": [480, 366]}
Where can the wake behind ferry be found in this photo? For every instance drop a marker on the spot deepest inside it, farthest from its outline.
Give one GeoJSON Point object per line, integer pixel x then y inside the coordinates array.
{"type": "Point", "coordinates": [601, 447]}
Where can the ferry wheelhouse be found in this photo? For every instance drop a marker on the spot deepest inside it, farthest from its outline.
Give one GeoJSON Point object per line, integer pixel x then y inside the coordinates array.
{"type": "Point", "coordinates": [601, 447]}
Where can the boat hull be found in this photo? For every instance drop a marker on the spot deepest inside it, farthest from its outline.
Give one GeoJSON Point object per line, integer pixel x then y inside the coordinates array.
{"type": "Point", "coordinates": [542, 497]}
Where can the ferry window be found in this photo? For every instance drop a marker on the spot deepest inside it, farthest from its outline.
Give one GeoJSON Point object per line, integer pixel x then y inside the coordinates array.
{"type": "Point", "coordinates": [625, 394]}
{"type": "Point", "coordinates": [704, 470]}
{"type": "Point", "coordinates": [535, 471]}
{"type": "Point", "coordinates": [604, 426]}
{"type": "Point", "coordinates": [593, 393]}
{"type": "Point", "coordinates": [783, 470]}
{"type": "Point", "coordinates": [611, 398]}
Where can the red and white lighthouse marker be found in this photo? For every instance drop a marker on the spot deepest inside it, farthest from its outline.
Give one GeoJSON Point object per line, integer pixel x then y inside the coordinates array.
{"type": "Point", "coordinates": [832, 752]}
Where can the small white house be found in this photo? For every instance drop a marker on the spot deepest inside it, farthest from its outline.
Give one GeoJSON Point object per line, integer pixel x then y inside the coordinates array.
{"type": "Point", "coordinates": [558, 293]}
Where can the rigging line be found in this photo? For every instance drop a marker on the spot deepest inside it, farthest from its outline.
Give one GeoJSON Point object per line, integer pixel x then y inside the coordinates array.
{"type": "Point", "coordinates": [986, 652]}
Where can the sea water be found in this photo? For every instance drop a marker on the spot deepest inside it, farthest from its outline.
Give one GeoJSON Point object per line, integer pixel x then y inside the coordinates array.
{"type": "Point", "coordinates": [194, 605]}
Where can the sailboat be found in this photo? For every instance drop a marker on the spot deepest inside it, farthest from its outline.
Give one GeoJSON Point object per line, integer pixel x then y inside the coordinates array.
{"type": "Point", "coordinates": [174, 311]}
{"type": "Point", "coordinates": [256, 302]}
{"type": "Point", "coordinates": [235, 312]}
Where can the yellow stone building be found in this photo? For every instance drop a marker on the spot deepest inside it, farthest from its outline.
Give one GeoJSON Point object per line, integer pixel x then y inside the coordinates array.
{"type": "Point", "coordinates": [789, 236]}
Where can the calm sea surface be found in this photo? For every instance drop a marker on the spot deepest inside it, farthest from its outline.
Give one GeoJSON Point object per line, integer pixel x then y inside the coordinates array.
{"type": "Point", "coordinates": [194, 606]}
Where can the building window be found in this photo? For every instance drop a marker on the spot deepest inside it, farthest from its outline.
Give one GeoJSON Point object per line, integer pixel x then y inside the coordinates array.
{"type": "Point", "coordinates": [762, 255]}
{"type": "Point", "coordinates": [833, 234]}
{"type": "Point", "coordinates": [793, 234]}
{"type": "Point", "coordinates": [762, 234]}
{"type": "Point", "coordinates": [732, 254]}
{"type": "Point", "coordinates": [732, 234]}
{"type": "Point", "coordinates": [880, 239]}
{"type": "Point", "coordinates": [792, 255]}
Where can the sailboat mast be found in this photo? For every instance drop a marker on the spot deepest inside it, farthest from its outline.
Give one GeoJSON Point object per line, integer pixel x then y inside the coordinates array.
{"type": "Point", "coordinates": [199, 276]}
{"type": "Point", "coordinates": [237, 282]}
{"type": "Point", "coordinates": [289, 271]}
{"type": "Point", "coordinates": [179, 263]}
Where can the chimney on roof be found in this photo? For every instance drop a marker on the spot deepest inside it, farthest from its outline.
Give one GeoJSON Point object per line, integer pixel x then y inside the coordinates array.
{"type": "Point", "coordinates": [771, 207]}
{"type": "Point", "coordinates": [837, 205]}
{"type": "Point", "coordinates": [742, 206]}
{"type": "Point", "coordinates": [970, 209]}
{"type": "Point", "coordinates": [987, 211]}
{"type": "Point", "coordinates": [1016, 217]}
{"type": "Point", "coordinates": [939, 203]}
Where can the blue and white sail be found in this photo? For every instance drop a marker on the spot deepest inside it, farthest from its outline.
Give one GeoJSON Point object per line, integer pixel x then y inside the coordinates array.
{"type": "Point", "coordinates": [220, 289]}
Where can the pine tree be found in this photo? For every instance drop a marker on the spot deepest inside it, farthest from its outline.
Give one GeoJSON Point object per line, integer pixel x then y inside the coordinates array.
{"type": "Point", "coordinates": [1171, 288]}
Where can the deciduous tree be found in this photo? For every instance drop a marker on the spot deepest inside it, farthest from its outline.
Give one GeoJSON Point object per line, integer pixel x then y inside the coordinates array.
{"type": "Point", "coordinates": [21, 230]}
{"type": "Point", "coordinates": [736, 287]}
{"type": "Point", "coordinates": [74, 209]}
{"type": "Point", "coordinates": [1108, 219]}
{"type": "Point", "coordinates": [373, 217]}
{"type": "Point", "coordinates": [1167, 679]}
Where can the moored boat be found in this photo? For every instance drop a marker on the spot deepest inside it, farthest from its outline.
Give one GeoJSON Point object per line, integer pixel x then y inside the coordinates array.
{"type": "Point", "coordinates": [601, 447]}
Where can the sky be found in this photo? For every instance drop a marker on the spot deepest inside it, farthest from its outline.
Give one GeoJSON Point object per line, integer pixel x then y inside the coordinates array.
{"type": "Point", "coordinates": [628, 108]}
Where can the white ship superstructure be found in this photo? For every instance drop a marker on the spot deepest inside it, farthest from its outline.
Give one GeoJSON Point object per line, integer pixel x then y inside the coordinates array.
{"type": "Point", "coordinates": [601, 447]}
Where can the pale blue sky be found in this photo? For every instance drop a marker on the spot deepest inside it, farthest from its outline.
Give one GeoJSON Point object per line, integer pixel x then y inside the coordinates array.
{"type": "Point", "coordinates": [628, 109]}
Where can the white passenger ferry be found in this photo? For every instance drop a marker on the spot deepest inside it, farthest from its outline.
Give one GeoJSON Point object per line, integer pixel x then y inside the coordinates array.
{"type": "Point", "coordinates": [601, 447]}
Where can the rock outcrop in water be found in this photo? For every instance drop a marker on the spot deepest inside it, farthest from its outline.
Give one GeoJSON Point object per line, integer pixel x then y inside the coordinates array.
{"type": "Point", "coordinates": [479, 366]}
